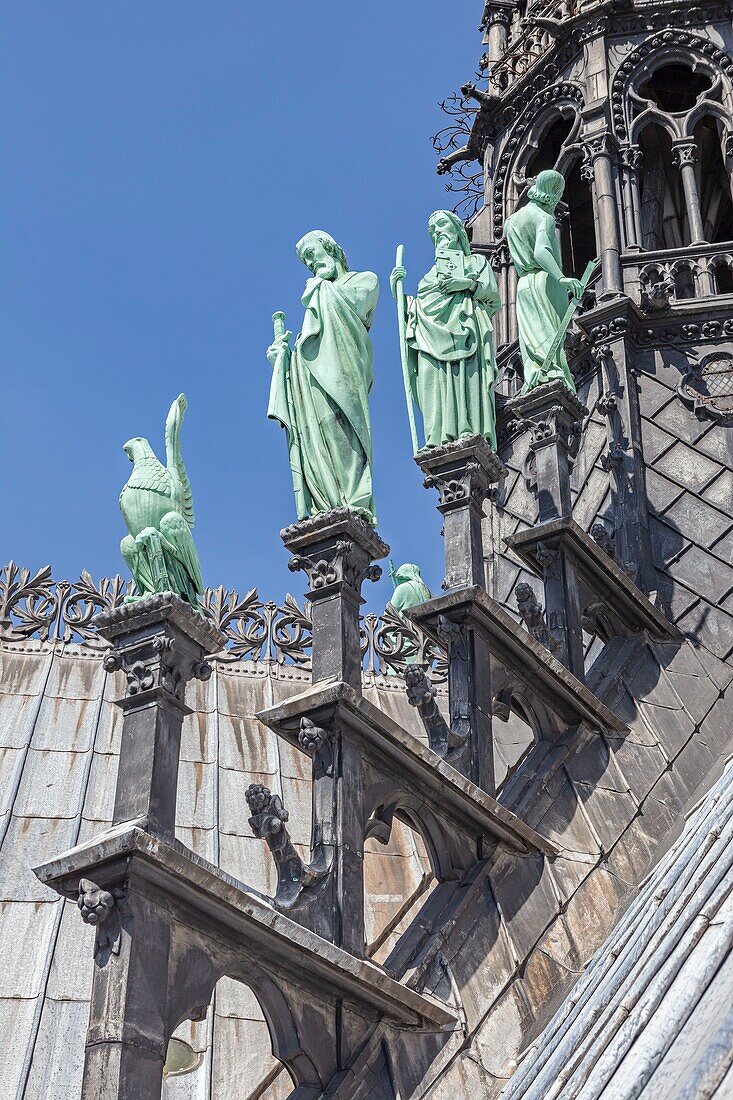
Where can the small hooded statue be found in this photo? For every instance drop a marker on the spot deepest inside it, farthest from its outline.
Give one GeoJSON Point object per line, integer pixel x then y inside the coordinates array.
{"type": "Point", "coordinates": [409, 587]}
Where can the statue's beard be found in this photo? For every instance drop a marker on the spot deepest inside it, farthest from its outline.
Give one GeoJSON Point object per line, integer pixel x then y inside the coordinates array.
{"type": "Point", "coordinates": [445, 240]}
{"type": "Point", "coordinates": [326, 270]}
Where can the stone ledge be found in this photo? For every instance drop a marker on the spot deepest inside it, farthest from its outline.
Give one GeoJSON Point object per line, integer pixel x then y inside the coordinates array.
{"type": "Point", "coordinates": [474, 448]}
{"type": "Point", "coordinates": [201, 895]}
{"type": "Point", "coordinates": [411, 762]}
{"type": "Point", "coordinates": [342, 523]}
{"type": "Point", "coordinates": [599, 573]}
{"type": "Point", "coordinates": [518, 652]}
{"type": "Point", "coordinates": [163, 606]}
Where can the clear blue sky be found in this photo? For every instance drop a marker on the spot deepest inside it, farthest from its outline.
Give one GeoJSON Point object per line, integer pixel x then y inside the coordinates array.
{"type": "Point", "coordinates": [159, 161]}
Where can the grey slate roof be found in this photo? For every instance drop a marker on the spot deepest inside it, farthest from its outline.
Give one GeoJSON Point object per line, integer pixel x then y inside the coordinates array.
{"type": "Point", "coordinates": [59, 745]}
{"type": "Point", "coordinates": [653, 1015]}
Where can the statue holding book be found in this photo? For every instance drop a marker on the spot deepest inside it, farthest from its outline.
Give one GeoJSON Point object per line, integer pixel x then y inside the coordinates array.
{"type": "Point", "coordinates": [320, 387]}
{"type": "Point", "coordinates": [543, 309]}
{"type": "Point", "coordinates": [446, 337]}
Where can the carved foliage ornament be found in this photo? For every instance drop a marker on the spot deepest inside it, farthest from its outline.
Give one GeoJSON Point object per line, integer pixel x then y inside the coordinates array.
{"type": "Point", "coordinates": [707, 388]}
{"type": "Point", "coordinates": [37, 606]}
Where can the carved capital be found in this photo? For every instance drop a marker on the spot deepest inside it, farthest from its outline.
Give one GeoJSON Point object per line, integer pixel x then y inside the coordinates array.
{"type": "Point", "coordinates": [553, 414]}
{"type": "Point", "coordinates": [684, 153]}
{"type": "Point", "coordinates": [462, 472]}
{"type": "Point", "coordinates": [600, 145]}
{"type": "Point", "coordinates": [336, 550]}
{"type": "Point", "coordinates": [632, 157]}
{"type": "Point", "coordinates": [160, 643]}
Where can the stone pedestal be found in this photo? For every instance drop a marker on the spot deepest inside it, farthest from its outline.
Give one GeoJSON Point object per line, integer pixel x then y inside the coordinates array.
{"type": "Point", "coordinates": [554, 416]}
{"type": "Point", "coordinates": [160, 643]}
{"type": "Point", "coordinates": [337, 551]}
{"type": "Point", "coordinates": [462, 472]}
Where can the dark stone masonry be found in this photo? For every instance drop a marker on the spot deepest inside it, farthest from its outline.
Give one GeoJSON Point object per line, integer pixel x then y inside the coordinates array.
{"type": "Point", "coordinates": [484, 849]}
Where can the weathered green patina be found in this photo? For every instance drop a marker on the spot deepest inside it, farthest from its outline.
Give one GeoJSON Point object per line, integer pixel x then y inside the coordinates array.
{"type": "Point", "coordinates": [320, 388]}
{"type": "Point", "coordinates": [543, 290]}
{"type": "Point", "coordinates": [157, 506]}
{"type": "Point", "coordinates": [448, 336]}
{"type": "Point", "coordinates": [409, 587]}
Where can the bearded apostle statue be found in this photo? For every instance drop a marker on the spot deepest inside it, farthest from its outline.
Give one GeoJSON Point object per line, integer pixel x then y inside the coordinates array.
{"type": "Point", "coordinates": [446, 334]}
{"type": "Point", "coordinates": [320, 387]}
{"type": "Point", "coordinates": [543, 289]}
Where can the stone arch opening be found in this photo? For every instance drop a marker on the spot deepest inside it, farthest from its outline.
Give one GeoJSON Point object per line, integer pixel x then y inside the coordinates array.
{"type": "Point", "coordinates": [398, 879]}
{"type": "Point", "coordinates": [721, 268]}
{"type": "Point", "coordinates": [513, 740]}
{"type": "Point", "coordinates": [558, 148]}
{"type": "Point", "coordinates": [664, 221]}
{"type": "Point", "coordinates": [674, 87]}
{"type": "Point", "coordinates": [714, 182]}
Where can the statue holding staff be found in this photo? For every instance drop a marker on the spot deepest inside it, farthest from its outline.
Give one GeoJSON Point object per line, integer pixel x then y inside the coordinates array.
{"type": "Point", "coordinates": [446, 336]}
{"type": "Point", "coordinates": [320, 387]}
{"type": "Point", "coordinates": [543, 290]}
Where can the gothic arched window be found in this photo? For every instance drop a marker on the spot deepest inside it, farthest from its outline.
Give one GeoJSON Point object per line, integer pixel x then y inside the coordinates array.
{"type": "Point", "coordinates": [663, 212]}
{"type": "Point", "coordinates": [714, 183]}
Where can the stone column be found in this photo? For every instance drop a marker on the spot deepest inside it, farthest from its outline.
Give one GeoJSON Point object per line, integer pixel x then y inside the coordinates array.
{"type": "Point", "coordinates": [128, 1029]}
{"type": "Point", "coordinates": [631, 159]}
{"type": "Point", "coordinates": [161, 643]}
{"type": "Point", "coordinates": [336, 550]}
{"type": "Point", "coordinates": [684, 155]}
{"type": "Point", "coordinates": [463, 473]}
{"type": "Point", "coordinates": [498, 18]}
{"type": "Point", "coordinates": [554, 416]}
{"type": "Point", "coordinates": [598, 152]}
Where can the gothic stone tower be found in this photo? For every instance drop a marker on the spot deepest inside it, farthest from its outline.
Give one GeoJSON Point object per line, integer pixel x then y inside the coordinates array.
{"type": "Point", "coordinates": [633, 103]}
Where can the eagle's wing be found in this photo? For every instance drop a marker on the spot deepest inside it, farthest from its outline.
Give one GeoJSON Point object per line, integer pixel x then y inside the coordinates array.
{"type": "Point", "coordinates": [149, 473]}
{"type": "Point", "coordinates": [179, 478]}
{"type": "Point", "coordinates": [183, 562]}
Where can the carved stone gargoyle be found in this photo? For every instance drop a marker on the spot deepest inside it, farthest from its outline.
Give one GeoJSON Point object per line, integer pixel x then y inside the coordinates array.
{"type": "Point", "coordinates": [532, 615]}
{"type": "Point", "coordinates": [268, 823]}
{"type": "Point", "coordinates": [101, 908]}
{"type": "Point", "coordinates": [422, 695]}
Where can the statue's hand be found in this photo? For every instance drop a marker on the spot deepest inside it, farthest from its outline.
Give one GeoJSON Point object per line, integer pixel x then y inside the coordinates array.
{"type": "Point", "coordinates": [277, 347]}
{"type": "Point", "coordinates": [397, 276]}
{"type": "Point", "coordinates": [574, 287]}
{"type": "Point", "coordinates": [448, 285]}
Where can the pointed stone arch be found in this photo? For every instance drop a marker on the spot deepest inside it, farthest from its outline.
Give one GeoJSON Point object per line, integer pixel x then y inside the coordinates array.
{"type": "Point", "coordinates": [664, 48]}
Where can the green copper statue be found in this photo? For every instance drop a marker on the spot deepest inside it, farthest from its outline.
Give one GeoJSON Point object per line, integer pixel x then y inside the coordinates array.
{"type": "Point", "coordinates": [409, 587]}
{"type": "Point", "coordinates": [447, 337]}
{"type": "Point", "coordinates": [157, 507]}
{"type": "Point", "coordinates": [542, 292]}
{"type": "Point", "coordinates": [320, 388]}
{"type": "Point", "coordinates": [409, 590]}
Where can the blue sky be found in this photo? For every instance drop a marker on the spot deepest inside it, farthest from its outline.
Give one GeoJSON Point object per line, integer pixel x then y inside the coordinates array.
{"type": "Point", "coordinates": [159, 161]}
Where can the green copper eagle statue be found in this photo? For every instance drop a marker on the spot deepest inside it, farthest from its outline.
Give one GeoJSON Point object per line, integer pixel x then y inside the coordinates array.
{"type": "Point", "coordinates": [157, 506]}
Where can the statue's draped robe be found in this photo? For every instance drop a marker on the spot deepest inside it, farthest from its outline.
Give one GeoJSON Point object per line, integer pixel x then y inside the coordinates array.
{"type": "Point", "coordinates": [451, 355]}
{"type": "Point", "coordinates": [320, 395]}
{"type": "Point", "coordinates": [541, 300]}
